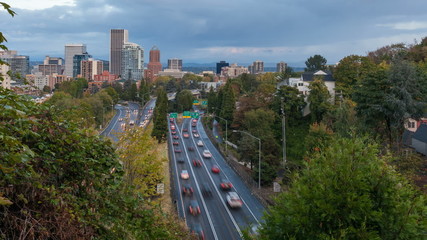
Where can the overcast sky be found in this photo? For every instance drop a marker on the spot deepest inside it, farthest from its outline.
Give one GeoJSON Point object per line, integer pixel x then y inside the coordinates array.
{"type": "Point", "coordinates": [205, 31]}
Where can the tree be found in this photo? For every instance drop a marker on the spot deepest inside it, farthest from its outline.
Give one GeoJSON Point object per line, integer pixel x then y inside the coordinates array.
{"type": "Point", "coordinates": [47, 89]}
{"type": "Point", "coordinates": [315, 63]}
{"type": "Point", "coordinates": [184, 100]}
{"type": "Point", "coordinates": [293, 103]}
{"type": "Point", "coordinates": [347, 192]}
{"type": "Point", "coordinates": [349, 72]}
{"type": "Point", "coordinates": [160, 128]}
{"type": "Point", "coordinates": [389, 53]}
{"type": "Point", "coordinates": [228, 103]}
{"type": "Point", "coordinates": [249, 82]}
{"type": "Point", "coordinates": [318, 98]}
{"type": "Point", "coordinates": [212, 100]}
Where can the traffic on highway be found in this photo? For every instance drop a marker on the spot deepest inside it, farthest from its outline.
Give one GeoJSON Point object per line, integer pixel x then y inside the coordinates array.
{"type": "Point", "coordinates": [210, 196]}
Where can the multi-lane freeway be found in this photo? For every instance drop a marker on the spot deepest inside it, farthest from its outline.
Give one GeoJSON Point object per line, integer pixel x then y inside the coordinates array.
{"type": "Point", "coordinates": [216, 219]}
{"type": "Point", "coordinates": [128, 116]}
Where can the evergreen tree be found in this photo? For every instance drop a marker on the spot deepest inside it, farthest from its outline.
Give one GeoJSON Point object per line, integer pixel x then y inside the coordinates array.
{"type": "Point", "coordinates": [228, 104]}
{"type": "Point", "coordinates": [160, 128]}
{"type": "Point", "coordinates": [319, 99]}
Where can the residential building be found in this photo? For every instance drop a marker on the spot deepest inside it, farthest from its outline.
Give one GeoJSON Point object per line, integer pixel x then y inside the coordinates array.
{"type": "Point", "coordinates": [104, 78]}
{"type": "Point", "coordinates": [281, 66]}
{"type": "Point", "coordinates": [220, 65]}
{"type": "Point", "coordinates": [18, 64]}
{"type": "Point", "coordinates": [51, 65]}
{"type": "Point", "coordinates": [5, 81]}
{"type": "Point", "coordinates": [132, 62]}
{"type": "Point", "coordinates": [419, 139]}
{"type": "Point", "coordinates": [233, 71]}
{"type": "Point", "coordinates": [175, 64]}
{"type": "Point", "coordinates": [173, 73]}
{"type": "Point", "coordinates": [256, 67]}
{"type": "Point", "coordinates": [90, 68]}
{"type": "Point", "coordinates": [117, 38]}
{"type": "Point", "coordinates": [77, 63]}
{"type": "Point", "coordinates": [70, 51]}
{"type": "Point", "coordinates": [40, 80]}
{"type": "Point", "coordinates": [56, 79]}
{"type": "Point", "coordinates": [154, 66]}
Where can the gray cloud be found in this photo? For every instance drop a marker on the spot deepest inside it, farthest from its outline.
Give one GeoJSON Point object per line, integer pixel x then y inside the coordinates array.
{"type": "Point", "coordinates": [208, 31]}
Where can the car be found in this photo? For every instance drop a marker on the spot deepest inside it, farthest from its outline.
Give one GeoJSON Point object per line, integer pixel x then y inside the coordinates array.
{"type": "Point", "coordinates": [175, 137]}
{"type": "Point", "coordinates": [206, 190]}
{"type": "Point", "coordinates": [132, 122]}
{"type": "Point", "coordinates": [215, 169]}
{"type": "Point", "coordinates": [194, 124]}
{"type": "Point", "coordinates": [194, 120]}
{"type": "Point", "coordinates": [175, 143]}
{"type": "Point", "coordinates": [194, 208]}
{"type": "Point", "coordinates": [225, 184]}
{"type": "Point", "coordinates": [186, 135]}
{"type": "Point", "coordinates": [234, 200]}
{"type": "Point", "coordinates": [200, 143]}
{"type": "Point", "coordinates": [196, 135]}
{"type": "Point", "coordinates": [197, 163]}
{"type": "Point", "coordinates": [120, 119]}
{"type": "Point", "coordinates": [177, 150]}
{"type": "Point", "coordinates": [171, 120]}
{"type": "Point", "coordinates": [185, 129]}
{"type": "Point", "coordinates": [180, 160]}
{"type": "Point", "coordinates": [187, 189]}
{"type": "Point", "coordinates": [190, 149]}
{"type": "Point", "coordinates": [206, 154]}
{"type": "Point", "coordinates": [196, 229]}
{"type": "Point", "coordinates": [172, 127]}
{"type": "Point", "coordinates": [194, 131]}
{"type": "Point", "coordinates": [173, 132]}
{"type": "Point", "coordinates": [184, 174]}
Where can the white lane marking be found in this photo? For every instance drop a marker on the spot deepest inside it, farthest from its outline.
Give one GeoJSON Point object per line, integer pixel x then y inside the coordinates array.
{"type": "Point", "coordinates": [114, 125]}
{"type": "Point", "coordinates": [219, 194]}
{"type": "Point", "coordinates": [241, 196]}
{"type": "Point", "coordinates": [176, 171]}
{"type": "Point", "coordinates": [198, 187]}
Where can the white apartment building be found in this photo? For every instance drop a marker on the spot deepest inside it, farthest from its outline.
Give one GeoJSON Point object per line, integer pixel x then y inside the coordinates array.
{"type": "Point", "coordinates": [132, 61]}
{"type": "Point", "coordinates": [233, 70]}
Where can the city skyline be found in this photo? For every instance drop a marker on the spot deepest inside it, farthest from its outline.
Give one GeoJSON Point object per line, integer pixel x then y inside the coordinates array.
{"type": "Point", "coordinates": [207, 32]}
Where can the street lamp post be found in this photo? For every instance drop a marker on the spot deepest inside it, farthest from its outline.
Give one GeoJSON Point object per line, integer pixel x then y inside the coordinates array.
{"type": "Point", "coordinates": [226, 132]}
{"type": "Point", "coordinates": [259, 155]}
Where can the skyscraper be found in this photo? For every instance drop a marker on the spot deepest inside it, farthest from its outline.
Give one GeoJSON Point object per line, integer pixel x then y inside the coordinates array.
{"type": "Point", "coordinates": [132, 61]}
{"type": "Point", "coordinates": [175, 64]}
{"type": "Point", "coordinates": [154, 64]}
{"type": "Point", "coordinates": [70, 51]}
{"type": "Point", "coordinates": [117, 38]}
{"type": "Point", "coordinates": [220, 65]}
{"type": "Point", "coordinates": [256, 67]}
{"type": "Point", "coordinates": [281, 67]}
{"type": "Point", "coordinates": [77, 63]}
{"type": "Point", "coordinates": [90, 68]}
{"type": "Point", "coordinates": [18, 64]}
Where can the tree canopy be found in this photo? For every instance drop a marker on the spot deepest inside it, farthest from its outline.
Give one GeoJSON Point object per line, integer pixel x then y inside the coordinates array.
{"type": "Point", "coordinates": [314, 63]}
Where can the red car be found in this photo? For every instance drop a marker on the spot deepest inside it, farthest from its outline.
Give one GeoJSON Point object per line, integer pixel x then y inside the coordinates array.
{"type": "Point", "coordinates": [175, 143]}
{"type": "Point", "coordinates": [186, 135]}
{"type": "Point", "coordinates": [178, 150]}
{"type": "Point", "coordinates": [225, 184]}
{"type": "Point", "coordinates": [171, 120]}
{"type": "Point", "coordinates": [175, 137]}
{"type": "Point", "coordinates": [194, 131]}
{"type": "Point", "coordinates": [173, 132]}
{"type": "Point", "coordinates": [185, 130]}
{"type": "Point", "coordinates": [194, 207]}
{"type": "Point", "coordinates": [194, 120]}
{"type": "Point", "coordinates": [215, 169]}
{"type": "Point", "coordinates": [194, 124]}
{"type": "Point", "coordinates": [187, 190]}
{"type": "Point", "coordinates": [197, 163]}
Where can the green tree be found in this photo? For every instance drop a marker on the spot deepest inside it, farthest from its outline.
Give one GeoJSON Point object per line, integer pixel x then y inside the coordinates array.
{"type": "Point", "coordinates": [249, 82]}
{"type": "Point", "coordinates": [144, 92]}
{"type": "Point", "coordinates": [184, 100]}
{"type": "Point", "coordinates": [212, 100]}
{"type": "Point", "coordinates": [293, 103]}
{"type": "Point", "coordinates": [228, 104]}
{"type": "Point", "coordinates": [319, 99]}
{"type": "Point", "coordinates": [315, 63]}
{"type": "Point", "coordinates": [347, 192]}
{"type": "Point", "coordinates": [160, 128]}
{"type": "Point", "coordinates": [350, 71]}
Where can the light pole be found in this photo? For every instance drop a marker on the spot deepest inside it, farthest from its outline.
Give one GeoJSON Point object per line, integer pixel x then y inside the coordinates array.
{"type": "Point", "coordinates": [259, 155]}
{"type": "Point", "coordinates": [226, 132]}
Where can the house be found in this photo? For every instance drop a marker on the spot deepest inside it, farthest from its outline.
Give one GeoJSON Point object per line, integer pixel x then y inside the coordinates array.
{"type": "Point", "coordinates": [419, 139]}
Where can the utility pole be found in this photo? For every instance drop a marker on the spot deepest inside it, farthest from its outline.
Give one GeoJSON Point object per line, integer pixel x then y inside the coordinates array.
{"type": "Point", "coordinates": [283, 132]}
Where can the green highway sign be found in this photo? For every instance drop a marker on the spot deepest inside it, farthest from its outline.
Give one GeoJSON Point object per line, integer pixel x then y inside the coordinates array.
{"type": "Point", "coordinates": [205, 103]}
{"type": "Point", "coordinates": [186, 114]}
{"type": "Point", "coordinates": [196, 102]}
{"type": "Point", "coordinates": [195, 115]}
{"type": "Point", "coordinates": [173, 115]}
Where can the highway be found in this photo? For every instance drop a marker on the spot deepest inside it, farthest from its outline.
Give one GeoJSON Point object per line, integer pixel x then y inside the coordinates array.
{"type": "Point", "coordinates": [128, 113]}
{"type": "Point", "coordinates": [217, 219]}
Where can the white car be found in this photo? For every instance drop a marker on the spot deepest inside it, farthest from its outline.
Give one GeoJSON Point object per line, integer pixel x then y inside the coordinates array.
{"type": "Point", "coordinates": [200, 143]}
{"type": "Point", "coordinates": [207, 154]}
{"type": "Point", "coordinates": [184, 174]}
{"type": "Point", "coordinates": [234, 200]}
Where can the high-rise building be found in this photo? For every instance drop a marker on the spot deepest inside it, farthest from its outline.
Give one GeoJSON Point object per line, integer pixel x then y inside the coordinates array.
{"type": "Point", "coordinates": [233, 71]}
{"type": "Point", "coordinates": [220, 65]}
{"type": "Point", "coordinates": [117, 38]}
{"type": "Point", "coordinates": [154, 66]}
{"type": "Point", "coordinates": [70, 51]}
{"type": "Point", "coordinates": [77, 63]}
{"type": "Point", "coordinates": [90, 68]}
{"type": "Point", "coordinates": [175, 64]}
{"type": "Point", "coordinates": [51, 65]}
{"type": "Point", "coordinates": [281, 66]}
{"type": "Point", "coordinates": [132, 61]}
{"type": "Point", "coordinates": [18, 64]}
{"type": "Point", "coordinates": [6, 78]}
{"type": "Point", "coordinates": [256, 67]}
